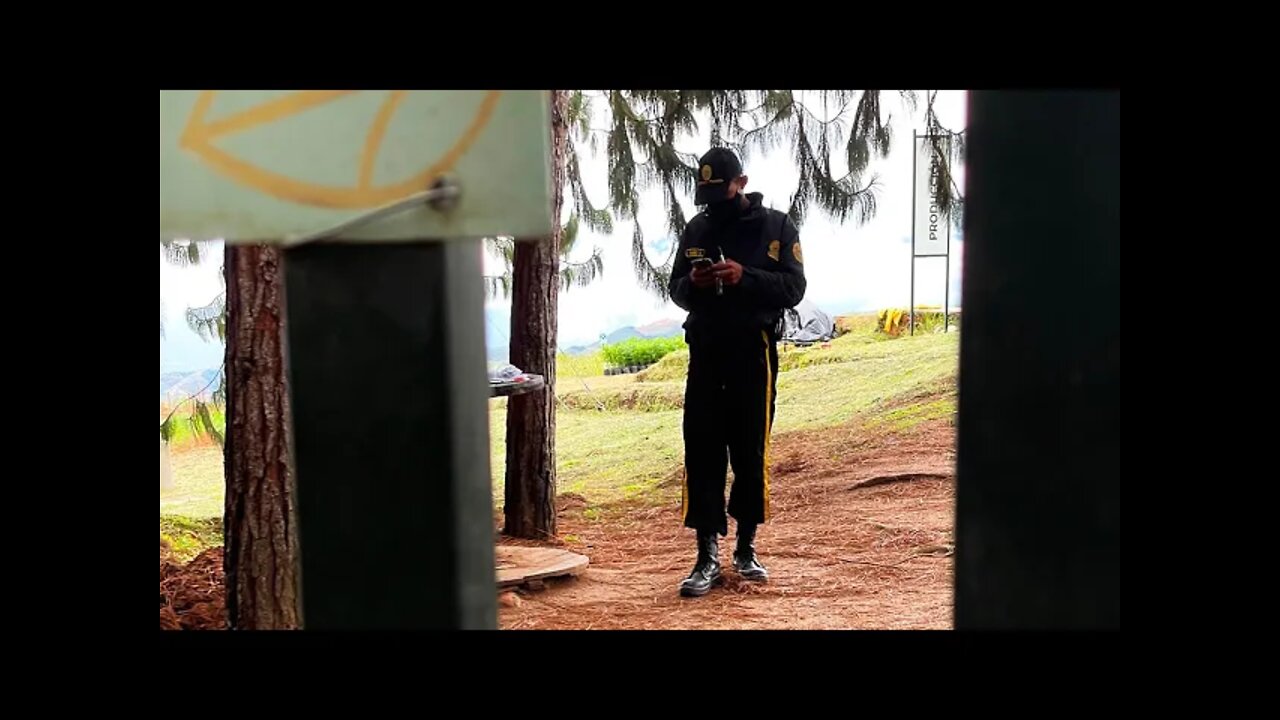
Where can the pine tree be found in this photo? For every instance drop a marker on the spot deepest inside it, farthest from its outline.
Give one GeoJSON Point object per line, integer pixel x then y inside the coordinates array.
{"type": "Point", "coordinates": [577, 118]}
{"type": "Point", "coordinates": [643, 128]}
{"type": "Point", "coordinates": [209, 322]}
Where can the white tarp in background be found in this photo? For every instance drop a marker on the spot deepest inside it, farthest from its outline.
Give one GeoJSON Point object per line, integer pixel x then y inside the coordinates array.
{"type": "Point", "coordinates": [805, 323]}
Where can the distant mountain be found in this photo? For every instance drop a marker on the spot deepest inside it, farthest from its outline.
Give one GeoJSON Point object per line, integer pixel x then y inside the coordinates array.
{"type": "Point", "coordinates": [623, 333]}
{"type": "Point", "coordinates": [661, 328]}
{"type": "Point", "coordinates": [583, 349]}
{"type": "Point", "coordinates": [181, 385]}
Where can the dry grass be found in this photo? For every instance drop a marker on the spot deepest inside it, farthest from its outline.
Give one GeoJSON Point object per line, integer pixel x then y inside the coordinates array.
{"type": "Point", "coordinates": [862, 500]}
{"type": "Point", "coordinates": [199, 485]}
{"type": "Point", "coordinates": [840, 556]}
{"type": "Point", "coordinates": [673, 367]}
{"type": "Point", "coordinates": [634, 396]}
{"type": "Point", "coordinates": [621, 454]}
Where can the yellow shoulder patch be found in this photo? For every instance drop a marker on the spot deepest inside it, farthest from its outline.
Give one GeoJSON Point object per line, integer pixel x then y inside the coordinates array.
{"type": "Point", "coordinates": [795, 250]}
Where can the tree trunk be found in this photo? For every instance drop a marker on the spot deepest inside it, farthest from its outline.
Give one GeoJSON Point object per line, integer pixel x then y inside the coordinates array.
{"type": "Point", "coordinates": [260, 554]}
{"type": "Point", "coordinates": [530, 490]}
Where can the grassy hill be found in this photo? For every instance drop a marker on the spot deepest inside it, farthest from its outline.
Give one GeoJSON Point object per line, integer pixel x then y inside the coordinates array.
{"type": "Point", "coordinates": [619, 437]}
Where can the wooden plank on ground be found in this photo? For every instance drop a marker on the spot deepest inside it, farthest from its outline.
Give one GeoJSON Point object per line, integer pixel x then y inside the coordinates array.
{"type": "Point", "coordinates": [518, 565]}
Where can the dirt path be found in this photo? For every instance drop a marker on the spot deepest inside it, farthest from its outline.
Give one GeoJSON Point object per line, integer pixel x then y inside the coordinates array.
{"type": "Point", "coordinates": [860, 538]}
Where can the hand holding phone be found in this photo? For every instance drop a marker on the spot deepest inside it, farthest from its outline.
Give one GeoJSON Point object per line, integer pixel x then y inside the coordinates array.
{"type": "Point", "coordinates": [701, 273]}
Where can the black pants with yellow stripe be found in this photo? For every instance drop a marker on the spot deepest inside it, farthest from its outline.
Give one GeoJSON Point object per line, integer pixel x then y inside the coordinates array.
{"type": "Point", "coordinates": [728, 415]}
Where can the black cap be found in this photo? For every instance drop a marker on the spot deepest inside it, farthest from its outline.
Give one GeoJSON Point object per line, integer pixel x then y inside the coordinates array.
{"type": "Point", "coordinates": [716, 170]}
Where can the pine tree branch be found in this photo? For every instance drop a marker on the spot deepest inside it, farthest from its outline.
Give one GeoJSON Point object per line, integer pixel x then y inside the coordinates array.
{"type": "Point", "coordinates": [595, 252]}
{"type": "Point", "coordinates": [186, 253]}
{"type": "Point", "coordinates": [598, 220]}
{"type": "Point", "coordinates": [498, 285]}
{"type": "Point", "coordinates": [814, 116]}
{"type": "Point", "coordinates": [644, 127]}
{"type": "Point", "coordinates": [196, 395]}
{"type": "Point", "coordinates": [209, 321]}
{"type": "Point", "coordinates": [581, 274]}
{"type": "Point", "coordinates": [951, 198]}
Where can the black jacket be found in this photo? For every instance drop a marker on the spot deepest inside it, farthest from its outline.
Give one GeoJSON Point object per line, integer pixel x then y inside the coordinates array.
{"type": "Point", "coordinates": [767, 245]}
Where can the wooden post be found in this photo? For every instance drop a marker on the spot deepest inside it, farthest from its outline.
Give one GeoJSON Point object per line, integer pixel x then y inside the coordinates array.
{"type": "Point", "coordinates": [1038, 476]}
{"type": "Point", "coordinates": [391, 435]}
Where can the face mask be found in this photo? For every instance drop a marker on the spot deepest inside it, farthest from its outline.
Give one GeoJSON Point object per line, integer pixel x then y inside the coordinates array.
{"type": "Point", "coordinates": [727, 210]}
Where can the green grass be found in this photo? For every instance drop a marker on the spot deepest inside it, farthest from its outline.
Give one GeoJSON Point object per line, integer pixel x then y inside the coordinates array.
{"type": "Point", "coordinates": [572, 366]}
{"type": "Point", "coordinates": [911, 414]}
{"type": "Point", "coordinates": [859, 323]}
{"type": "Point", "coordinates": [606, 456]}
{"type": "Point", "coordinates": [601, 395]}
{"type": "Point", "coordinates": [634, 445]}
{"type": "Point", "coordinates": [872, 374]}
{"type": "Point", "coordinates": [188, 537]}
{"type": "Point", "coordinates": [845, 348]}
{"type": "Point", "coordinates": [184, 434]}
{"type": "Point", "coordinates": [675, 366]}
{"type": "Point", "coordinates": [641, 351]}
{"type": "Point", "coordinates": [603, 456]}
{"type": "Point", "coordinates": [671, 368]}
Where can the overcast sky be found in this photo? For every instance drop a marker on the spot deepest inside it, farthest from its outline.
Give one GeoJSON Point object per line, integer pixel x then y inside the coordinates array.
{"type": "Point", "coordinates": [848, 267]}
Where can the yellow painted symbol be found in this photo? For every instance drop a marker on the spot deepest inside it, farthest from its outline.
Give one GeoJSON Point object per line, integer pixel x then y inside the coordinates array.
{"type": "Point", "coordinates": [775, 250]}
{"type": "Point", "coordinates": [199, 134]}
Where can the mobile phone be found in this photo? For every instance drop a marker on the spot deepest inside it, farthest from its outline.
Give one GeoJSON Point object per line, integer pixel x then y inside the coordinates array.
{"type": "Point", "coordinates": [703, 263]}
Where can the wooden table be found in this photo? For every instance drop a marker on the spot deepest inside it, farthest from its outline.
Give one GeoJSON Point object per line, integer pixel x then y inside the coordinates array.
{"type": "Point", "coordinates": [528, 566]}
{"type": "Point", "coordinates": [533, 383]}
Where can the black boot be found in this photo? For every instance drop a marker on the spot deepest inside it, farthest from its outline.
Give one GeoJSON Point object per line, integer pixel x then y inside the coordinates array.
{"type": "Point", "coordinates": [744, 557]}
{"type": "Point", "coordinates": [706, 573]}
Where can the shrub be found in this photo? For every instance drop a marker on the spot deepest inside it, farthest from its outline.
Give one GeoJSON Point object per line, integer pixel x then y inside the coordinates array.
{"type": "Point", "coordinates": [641, 351]}
{"type": "Point", "coordinates": [896, 322]}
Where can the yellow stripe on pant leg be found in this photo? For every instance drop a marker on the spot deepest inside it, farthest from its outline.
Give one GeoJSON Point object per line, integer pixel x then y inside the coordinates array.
{"type": "Point", "coordinates": [768, 420]}
{"type": "Point", "coordinates": [684, 494]}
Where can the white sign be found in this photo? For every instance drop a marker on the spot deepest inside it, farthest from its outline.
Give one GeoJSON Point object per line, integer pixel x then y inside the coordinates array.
{"type": "Point", "coordinates": [932, 231]}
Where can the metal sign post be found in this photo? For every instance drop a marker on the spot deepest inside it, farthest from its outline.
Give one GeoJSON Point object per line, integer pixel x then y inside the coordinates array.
{"type": "Point", "coordinates": [380, 198]}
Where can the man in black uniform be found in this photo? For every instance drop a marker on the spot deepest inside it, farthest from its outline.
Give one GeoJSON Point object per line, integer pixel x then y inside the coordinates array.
{"type": "Point", "coordinates": [737, 269]}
